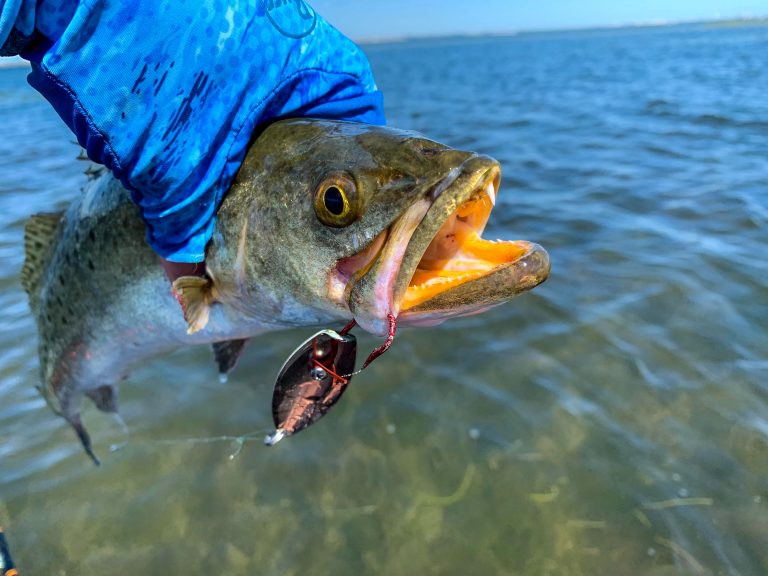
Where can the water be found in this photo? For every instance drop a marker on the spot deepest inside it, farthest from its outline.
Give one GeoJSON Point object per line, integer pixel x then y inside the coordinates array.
{"type": "Point", "coordinates": [613, 421]}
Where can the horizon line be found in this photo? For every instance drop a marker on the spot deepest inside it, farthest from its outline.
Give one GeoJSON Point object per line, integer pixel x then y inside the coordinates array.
{"type": "Point", "coordinates": [397, 39]}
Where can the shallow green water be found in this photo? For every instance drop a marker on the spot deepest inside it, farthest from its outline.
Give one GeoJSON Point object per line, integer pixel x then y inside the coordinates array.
{"type": "Point", "coordinates": [614, 421]}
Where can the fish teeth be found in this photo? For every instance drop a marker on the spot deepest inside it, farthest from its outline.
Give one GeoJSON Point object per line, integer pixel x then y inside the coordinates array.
{"type": "Point", "coordinates": [491, 192]}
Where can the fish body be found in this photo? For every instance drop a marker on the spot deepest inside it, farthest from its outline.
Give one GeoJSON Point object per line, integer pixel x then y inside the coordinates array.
{"type": "Point", "coordinates": [326, 221]}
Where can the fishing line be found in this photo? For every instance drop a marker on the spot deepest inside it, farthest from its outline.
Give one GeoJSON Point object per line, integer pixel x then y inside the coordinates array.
{"type": "Point", "coordinates": [239, 442]}
{"type": "Point", "coordinates": [377, 351]}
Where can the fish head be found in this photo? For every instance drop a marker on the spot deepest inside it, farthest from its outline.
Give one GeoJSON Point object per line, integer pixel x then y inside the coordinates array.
{"type": "Point", "coordinates": [332, 219]}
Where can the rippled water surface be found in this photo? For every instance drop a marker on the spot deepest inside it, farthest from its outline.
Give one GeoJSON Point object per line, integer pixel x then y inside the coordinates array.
{"type": "Point", "coordinates": [613, 421]}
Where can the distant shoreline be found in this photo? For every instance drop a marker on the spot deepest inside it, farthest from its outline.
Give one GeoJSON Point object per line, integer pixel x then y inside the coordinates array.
{"type": "Point", "coordinates": [717, 23]}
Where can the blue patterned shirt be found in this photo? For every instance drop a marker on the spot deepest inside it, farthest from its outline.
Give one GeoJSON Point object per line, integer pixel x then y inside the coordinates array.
{"type": "Point", "coordinates": [167, 93]}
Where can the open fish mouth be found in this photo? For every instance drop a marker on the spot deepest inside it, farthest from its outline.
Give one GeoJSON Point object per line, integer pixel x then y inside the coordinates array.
{"type": "Point", "coordinates": [458, 253]}
{"type": "Point", "coordinates": [432, 263]}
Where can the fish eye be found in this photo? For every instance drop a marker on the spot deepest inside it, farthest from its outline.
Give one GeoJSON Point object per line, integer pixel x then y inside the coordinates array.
{"type": "Point", "coordinates": [335, 201]}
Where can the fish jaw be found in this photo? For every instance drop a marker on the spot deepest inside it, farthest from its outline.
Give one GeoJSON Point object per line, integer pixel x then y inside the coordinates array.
{"type": "Point", "coordinates": [434, 263]}
{"type": "Point", "coordinates": [487, 291]}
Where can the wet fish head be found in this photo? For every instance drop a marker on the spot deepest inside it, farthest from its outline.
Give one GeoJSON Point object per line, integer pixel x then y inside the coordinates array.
{"type": "Point", "coordinates": [330, 220]}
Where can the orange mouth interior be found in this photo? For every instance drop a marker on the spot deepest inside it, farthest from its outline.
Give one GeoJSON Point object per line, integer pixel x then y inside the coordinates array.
{"type": "Point", "coordinates": [458, 254]}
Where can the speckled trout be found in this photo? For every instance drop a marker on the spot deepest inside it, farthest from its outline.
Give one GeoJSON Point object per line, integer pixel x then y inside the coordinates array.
{"type": "Point", "coordinates": [325, 222]}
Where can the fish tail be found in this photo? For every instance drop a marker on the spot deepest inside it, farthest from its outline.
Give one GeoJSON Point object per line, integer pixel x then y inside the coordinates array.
{"type": "Point", "coordinates": [83, 436]}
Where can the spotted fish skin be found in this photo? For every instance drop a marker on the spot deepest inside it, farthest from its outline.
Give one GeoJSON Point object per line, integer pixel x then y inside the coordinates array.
{"type": "Point", "coordinates": [104, 303]}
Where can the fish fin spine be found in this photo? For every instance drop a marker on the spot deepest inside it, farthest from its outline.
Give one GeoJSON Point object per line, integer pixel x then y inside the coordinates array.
{"type": "Point", "coordinates": [39, 232]}
{"type": "Point", "coordinates": [195, 295]}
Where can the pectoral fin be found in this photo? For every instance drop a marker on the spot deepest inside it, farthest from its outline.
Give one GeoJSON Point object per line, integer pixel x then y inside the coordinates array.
{"type": "Point", "coordinates": [195, 294]}
{"type": "Point", "coordinates": [105, 398]}
{"type": "Point", "coordinates": [227, 354]}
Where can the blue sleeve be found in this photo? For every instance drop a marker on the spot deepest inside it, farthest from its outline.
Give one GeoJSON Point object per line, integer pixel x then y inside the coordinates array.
{"type": "Point", "coordinates": [166, 93]}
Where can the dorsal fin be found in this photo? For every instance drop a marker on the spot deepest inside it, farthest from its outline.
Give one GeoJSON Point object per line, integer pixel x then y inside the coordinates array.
{"type": "Point", "coordinates": [38, 236]}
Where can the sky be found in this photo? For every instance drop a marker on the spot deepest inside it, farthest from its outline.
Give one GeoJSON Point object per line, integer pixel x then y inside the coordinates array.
{"type": "Point", "coordinates": [378, 19]}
